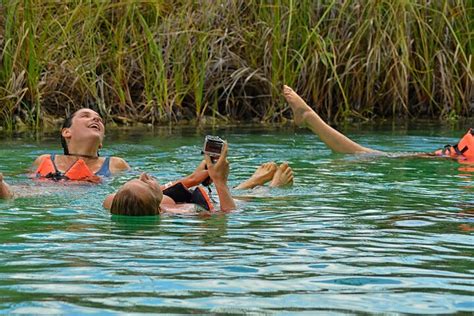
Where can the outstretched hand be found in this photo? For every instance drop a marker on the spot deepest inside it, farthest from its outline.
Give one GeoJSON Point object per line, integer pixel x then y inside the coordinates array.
{"type": "Point", "coordinates": [219, 171]}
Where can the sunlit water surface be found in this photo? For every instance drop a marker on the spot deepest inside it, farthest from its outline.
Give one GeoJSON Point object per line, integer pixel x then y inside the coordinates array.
{"type": "Point", "coordinates": [354, 234]}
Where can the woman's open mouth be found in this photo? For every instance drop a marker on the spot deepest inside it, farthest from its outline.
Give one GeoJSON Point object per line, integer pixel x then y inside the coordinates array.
{"type": "Point", "coordinates": [95, 126]}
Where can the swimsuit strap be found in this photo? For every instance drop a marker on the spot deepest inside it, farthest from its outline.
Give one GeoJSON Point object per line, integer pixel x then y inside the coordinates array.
{"type": "Point", "coordinates": [53, 157]}
{"type": "Point", "coordinates": [104, 169]}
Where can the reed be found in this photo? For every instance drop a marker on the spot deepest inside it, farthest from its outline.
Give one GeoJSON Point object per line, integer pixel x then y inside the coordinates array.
{"type": "Point", "coordinates": [160, 62]}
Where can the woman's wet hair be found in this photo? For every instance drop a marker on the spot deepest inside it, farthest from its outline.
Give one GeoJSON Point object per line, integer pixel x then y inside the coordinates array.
{"type": "Point", "coordinates": [128, 202]}
{"type": "Point", "coordinates": [67, 123]}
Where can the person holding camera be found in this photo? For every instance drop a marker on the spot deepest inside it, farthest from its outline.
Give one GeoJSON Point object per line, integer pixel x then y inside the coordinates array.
{"type": "Point", "coordinates": [144, 196]}
{"type": "Point", "coordinates": [278, 176]}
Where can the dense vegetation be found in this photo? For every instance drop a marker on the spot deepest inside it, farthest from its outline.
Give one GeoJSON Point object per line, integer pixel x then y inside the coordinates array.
{"type": "Point", "coordinates": [162, 61]}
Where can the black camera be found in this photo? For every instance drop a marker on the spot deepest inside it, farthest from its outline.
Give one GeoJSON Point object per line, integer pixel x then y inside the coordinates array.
{"type": "Point", "coordinates": [213, 146]}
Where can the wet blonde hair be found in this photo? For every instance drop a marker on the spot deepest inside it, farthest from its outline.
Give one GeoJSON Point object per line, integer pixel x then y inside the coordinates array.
{"type": "Point", "coordinates": [127, 202]}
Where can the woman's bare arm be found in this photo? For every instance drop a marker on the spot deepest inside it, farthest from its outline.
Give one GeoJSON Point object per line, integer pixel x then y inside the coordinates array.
{"type": "Point", "coordinates": [219, 173]}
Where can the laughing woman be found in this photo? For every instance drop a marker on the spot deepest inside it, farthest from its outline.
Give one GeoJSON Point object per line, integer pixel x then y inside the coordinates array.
{"type": "Point", "coordinates": [82, 135]}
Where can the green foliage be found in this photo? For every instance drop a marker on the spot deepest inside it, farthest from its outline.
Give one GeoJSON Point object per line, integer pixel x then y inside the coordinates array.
{"type": "Point", "coordinates": [163, 61]}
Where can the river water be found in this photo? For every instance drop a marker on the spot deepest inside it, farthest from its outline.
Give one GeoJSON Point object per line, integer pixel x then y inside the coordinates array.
{"type": "Point", "coordinates": [353, 234]}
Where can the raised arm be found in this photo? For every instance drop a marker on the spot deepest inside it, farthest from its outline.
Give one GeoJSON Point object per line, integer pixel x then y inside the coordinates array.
{"type": "Point", "coordinates": [195, 178]}
{"type": "Point", "coordinates": [219, 172]}
{"type": "Point", "coordinates": [304, 115]}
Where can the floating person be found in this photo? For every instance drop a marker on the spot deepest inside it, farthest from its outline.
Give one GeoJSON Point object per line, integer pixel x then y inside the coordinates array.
{"type": "Point", "coordinates": [144, 196]}
{"type": "Point", "coordinates": [305, 116]}
{"type": "Point", "coordinates": [82, 135]}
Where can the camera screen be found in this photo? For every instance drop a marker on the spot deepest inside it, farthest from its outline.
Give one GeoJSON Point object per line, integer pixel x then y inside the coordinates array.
{"type": "Point", "coordinates": [213, 147]}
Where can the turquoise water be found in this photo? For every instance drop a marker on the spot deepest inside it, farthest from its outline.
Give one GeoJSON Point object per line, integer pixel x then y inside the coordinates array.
{"type": "Point", "coordinates": [354, 234]}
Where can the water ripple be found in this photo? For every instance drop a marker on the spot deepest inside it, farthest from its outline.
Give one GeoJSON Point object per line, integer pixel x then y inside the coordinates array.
{"type": "Point", "coordinates": [353, 235]}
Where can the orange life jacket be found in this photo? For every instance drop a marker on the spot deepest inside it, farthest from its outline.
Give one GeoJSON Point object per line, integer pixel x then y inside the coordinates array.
{"type": "Point", "coordinates": [79, 171]}
{"type": "Point", "coordinates": [464, 149]}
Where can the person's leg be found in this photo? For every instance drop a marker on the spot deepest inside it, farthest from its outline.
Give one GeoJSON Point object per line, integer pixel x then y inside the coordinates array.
{"type": "Point", "coordinates": [5, 192]}
{"type": "Point", "coordinates": [262, 175]}
{"type": "Point", "coordinates": [304, 115]}
{"type": "Point", "coordinates": [283, 176]}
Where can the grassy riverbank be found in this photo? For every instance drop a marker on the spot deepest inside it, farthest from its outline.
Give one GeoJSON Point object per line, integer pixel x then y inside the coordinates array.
{"type": "Point", "coordinates": [162, 61]}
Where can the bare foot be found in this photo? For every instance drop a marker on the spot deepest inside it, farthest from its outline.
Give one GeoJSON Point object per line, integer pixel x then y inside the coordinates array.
{"type": "Point", "coordinates": [262, 175]}
{"type": "Point", "coordinates": [5, 192]}
{"type": "Point", "coordinates": [297, 104]}
{"type": "Point", "coordinates": [283, 176]}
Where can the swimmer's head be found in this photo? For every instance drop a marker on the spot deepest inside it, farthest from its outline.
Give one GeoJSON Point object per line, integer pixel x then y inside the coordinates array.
{"type": "Point", "coordinates": [139, 197]}
{"type": "Point", "coordinates": [82, 124]}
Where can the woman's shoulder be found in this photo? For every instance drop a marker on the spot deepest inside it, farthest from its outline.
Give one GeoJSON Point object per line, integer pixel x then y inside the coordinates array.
{"type": "Point", "coordinates": [118, 164]}
{"type": "Point", "coordinates": [40, 159]}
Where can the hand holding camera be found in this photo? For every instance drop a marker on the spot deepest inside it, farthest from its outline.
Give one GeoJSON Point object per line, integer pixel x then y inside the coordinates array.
{"type": "Point", "coordinates": [213, 148]}
{"type": "Point", "coordinates": [218, 170]}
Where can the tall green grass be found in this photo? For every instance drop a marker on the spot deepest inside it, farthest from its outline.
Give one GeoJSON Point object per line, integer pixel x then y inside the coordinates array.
{"type": "Point", "coordinates": [164, 61]}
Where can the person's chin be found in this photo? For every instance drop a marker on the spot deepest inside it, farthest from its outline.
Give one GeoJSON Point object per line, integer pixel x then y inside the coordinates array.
{"type": "Point", "coordinates": [97, 133]}
{"type": "Point", "coordinates": [95, 137]}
